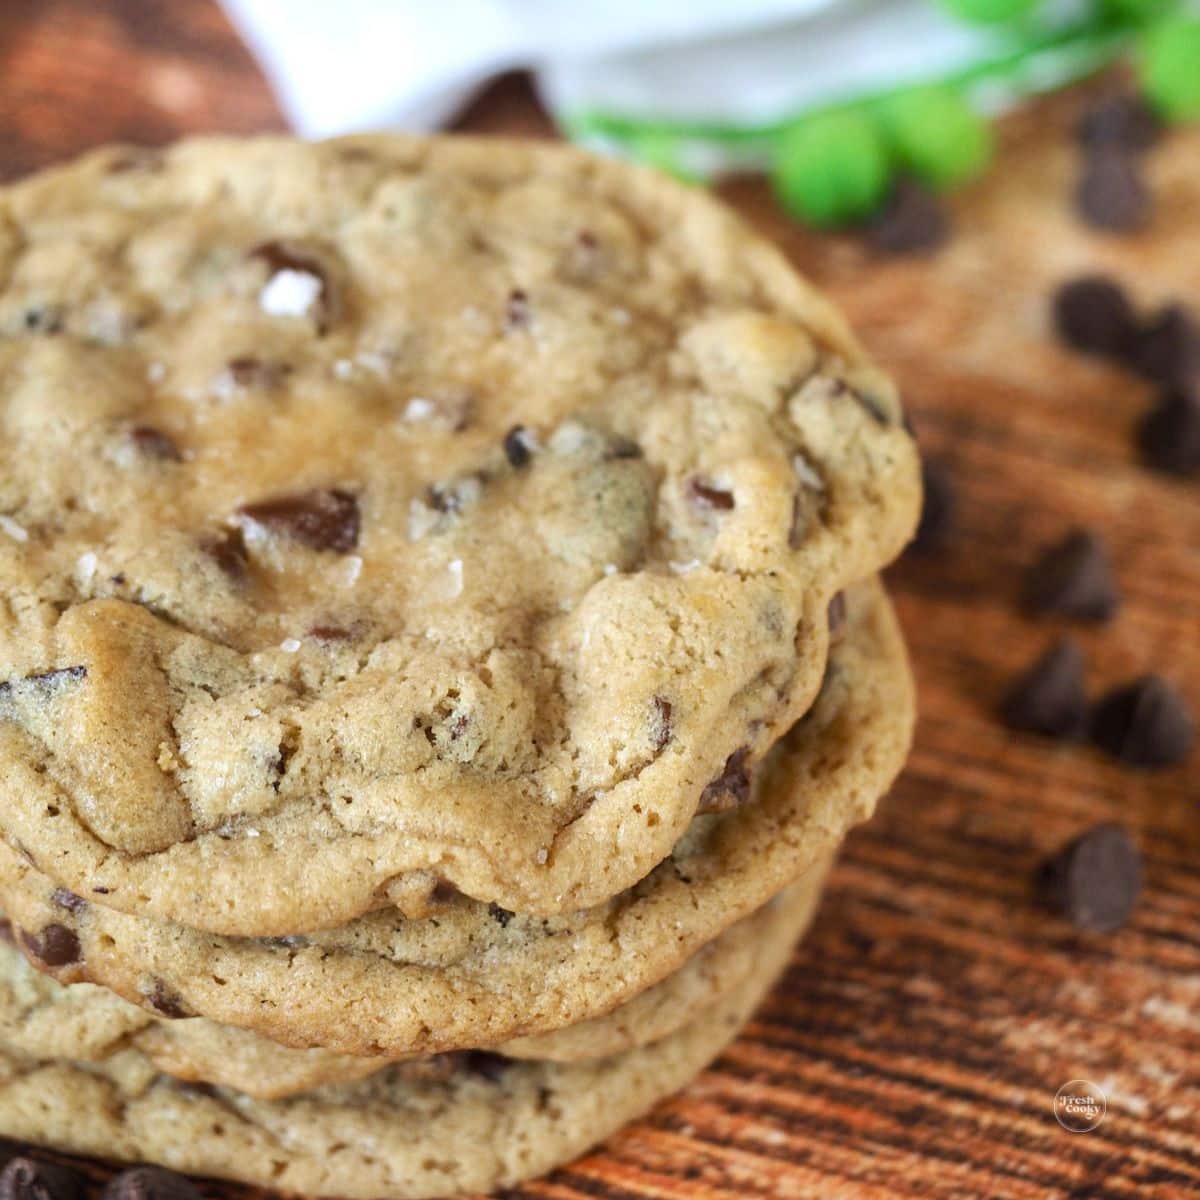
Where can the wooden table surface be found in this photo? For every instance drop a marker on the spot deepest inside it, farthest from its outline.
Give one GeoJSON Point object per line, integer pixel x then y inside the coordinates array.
{"type": "Point", "coordinates": [918, 1040]}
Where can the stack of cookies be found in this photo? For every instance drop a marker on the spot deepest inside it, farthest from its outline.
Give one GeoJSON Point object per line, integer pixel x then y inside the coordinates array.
{"type": "Point", "coordinates": [440, 650]}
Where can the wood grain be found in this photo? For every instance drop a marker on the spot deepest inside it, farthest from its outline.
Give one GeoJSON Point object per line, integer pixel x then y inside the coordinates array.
{"type": "Point", "coordinates": [916, 1044]}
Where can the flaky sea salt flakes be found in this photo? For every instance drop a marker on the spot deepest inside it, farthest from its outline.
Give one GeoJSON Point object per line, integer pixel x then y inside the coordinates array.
{"type": "Point", "coordinates": [85, 568]}
{"type": "Point", "coordinates": [419, 408]}
{"type": "Point", "coordinates": [568, 438]}
{"type": "Point", "coordinates": [455, 567]}
{"type": "Point", "coordinates": [343, 368]}
{"type": "Point", "coordinates": [683, 568]}
{"type": "Point", "coordinates": [352, 566]}
{"type": "Point", "coordinates": [611, 569]}
{"type": "Point", "coordinates": [807, 474]}
{"type": "Point", "coordinates": [253, 833]}
{"type": "Point", "coordinates": [422, 518]}
{"type": "Point", "coordinates": [621, 316]}
{"type": "Point", "coordinates": [290, 645]}
{"type": "Point", "coordinates": [542, 856]}
{"type": "Point", "coordinates": [156, 372]}
{"type": "Point", "coordinates": [17, 532]}
{"type": "Point", "coordinates": [290, 293]}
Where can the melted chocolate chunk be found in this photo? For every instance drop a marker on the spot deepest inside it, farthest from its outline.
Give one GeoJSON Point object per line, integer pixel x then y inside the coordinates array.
{"type": "Point", "coordinates": [731, 787]}
{"type": "Point", "coordinates": [1049, 698]}
{"type": "Point", "coordinates": [320, 520]}
{"type": "Point", "coordinates": [707, 495]}
{"type": "Point", "coordinates": [150, 1183]}
{"type": "Point", "coordinates": [68, 900]}
{"type": "Point", "coordinates": [912, 221]}
{"type": "Point", "coordinates": [1168, 436]}
{"type": "Point", "coordinates": [1074, 578]}
{"type": "Point", "coordinates": [1112, 194]}
{"type": "Point", "coordinates": [1096, 879]}
{"type": "Point", "coordinates": [27, 1179]}
{"type": "Point", "coordinates": [1145, 723]}
{"type": "Point", "coordinates": [165, 1002]}
{"type": "Point", "coordinates": [500, 915]}
{"type": "Point", "coordinates": [54, 946]}
{"type": "Point", "coordinates": [516, 446]}
{"type": "Point", "coordinates": [153, 443]}
{"type": "Point", "coordinates": [228, 550]}
{"type": "Point", "coordinates": [517, 311]}
{"type": "Point", "coordinates": [1093, 314]}
{"type": "Point", "coordinates": [662, 723]}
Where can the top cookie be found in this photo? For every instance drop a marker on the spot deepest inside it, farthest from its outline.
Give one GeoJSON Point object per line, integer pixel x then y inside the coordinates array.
{"type": "Point", "coordinates": [397, 511]}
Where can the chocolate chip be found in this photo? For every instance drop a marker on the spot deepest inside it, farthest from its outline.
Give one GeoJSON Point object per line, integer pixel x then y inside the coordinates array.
{"type": "Point", "coordinates": [166, 1002]}
{"type": "Point", "coordinates": [320, 520]}
{"type": "Point", "coordinates": [500, 915]}
{"type": "Point", "coordinates": [247, 371]}
{"type": "Point", "coordinates": [517, 311]}
{"type": "Point", "coordinates": [1073, 578]}
{"type": "Point", "coordinates": [517, 447]}
{"type": "Point", "coordinates": [1095, 879]}
{"type": "Point", "coordinates": [1049, 697]}
{"type": "Point", "coordinates": [288, 256]}
{"type": "Point", "coordinates": [54, 946]}
{"type": "Point", "coordinates": [68, 900]}
{"type": "Point", "coordinates": [153, 443]}
{"type": "Point", "coordinates": [623, 449]}
{"type": "Point", "coordinates": [1093, 314]}
{"type": "Point", "coordinates": [706, 495]}
{"type": "Point", "coordinates": [43, 318]}
{"type": "Point", "coordinates": [27, 1179]}
{"type": "Point", "coordinates": [1124, 120]}
{"type": "Point", "coordinates": [1145, 723]}
{"type": "Point", "coordinates": [1167, 348]}
{"type": "Point", "coordinates": [1168, 436]}
{"type": "Point", "coordinates": [150, 1183]}
{"type": "Point", "coordinates": [731, 787]}
{"type": "Point", "coordinates": [938, 507]}
{"type": "Point", "coordinates": [912, 220]}
{"type": "Point", "coordinates": [1111, 194]}
{"type": "Point", "coordinates": [485, 1064]}
{"type": "Point", "coordinates": [837, 617]}
{"type": "Point", "coordinates": [228, 550]}
{"type": "Point", "coordinates": [662, 723]}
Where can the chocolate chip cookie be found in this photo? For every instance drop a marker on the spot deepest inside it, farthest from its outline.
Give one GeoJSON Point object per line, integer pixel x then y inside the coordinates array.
{"type": "Point", "coordinates": [474, 975]}
{"type": "Point", "coordinates": [400, 1133]}
{"type": "Point", "coordinates": [398, 514]}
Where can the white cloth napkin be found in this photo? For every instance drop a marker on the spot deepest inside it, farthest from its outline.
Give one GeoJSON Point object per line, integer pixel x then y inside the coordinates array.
{"type": "Point", "coordinates": [358, 64]}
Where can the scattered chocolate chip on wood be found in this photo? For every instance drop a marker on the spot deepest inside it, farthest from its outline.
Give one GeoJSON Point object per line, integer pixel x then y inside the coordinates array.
{"type": "Point", "coordinates": [28, 1179]}
{"type": "Point", "coordinates": [1124, 120]}
{"type": "Point", "coordinates": [1049, 698]}
{"type": "Point", "coordinates": [1074, 578]}
{"type": "Point", "coordinates": [911, 221]}
{"type": "Point", "coordinates": [1112, 195]}
{"type": "Point", "coordinates": [1167, 348]}
{"type": "Point", "coordinates": [1095, 880]}
{"type": "Point", "coordinates": [1145, 723]}
{"type": "Point", "coordinates": [150, 1183]}
{"type": "Point", "coordinates": [1093, 314]}
{"type": "Point", "coordinates": [938, 508]}
{"type": "Point", "coordinates": [1168, 436]}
